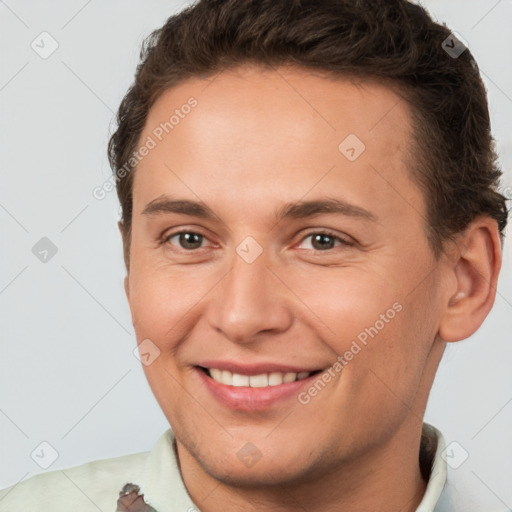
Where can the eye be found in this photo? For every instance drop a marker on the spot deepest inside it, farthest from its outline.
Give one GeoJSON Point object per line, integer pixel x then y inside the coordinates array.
{"type": "Point", "coordinates": [324, 240]}
{"type": "Point", "coordinates": [188, 240]}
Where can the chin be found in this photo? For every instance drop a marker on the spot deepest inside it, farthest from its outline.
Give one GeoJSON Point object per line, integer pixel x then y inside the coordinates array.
{"type": "Point", "coordinates": [262, 474]}
{"type": "Point", "coordinates": [242, 465]}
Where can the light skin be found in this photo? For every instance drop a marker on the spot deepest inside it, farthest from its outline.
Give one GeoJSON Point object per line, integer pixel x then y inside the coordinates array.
{"type": "Point", "coordinates": [256, 141]}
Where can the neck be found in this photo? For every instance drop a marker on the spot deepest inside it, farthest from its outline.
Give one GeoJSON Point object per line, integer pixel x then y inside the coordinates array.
{"type": "Point", "coordinates": [387, 479]}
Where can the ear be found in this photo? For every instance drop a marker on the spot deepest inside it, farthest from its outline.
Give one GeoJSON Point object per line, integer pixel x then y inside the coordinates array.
{"type": "Point", "coordinates": [126, 280]}
{"type": "Point", "coordinates": [127, 287]}
{"type": "Point", "coordinates": [475, 267]}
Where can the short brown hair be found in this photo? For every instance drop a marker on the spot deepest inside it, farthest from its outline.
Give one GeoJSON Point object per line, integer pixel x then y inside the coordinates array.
{"type": "Point", "coordinates": [392, 41]}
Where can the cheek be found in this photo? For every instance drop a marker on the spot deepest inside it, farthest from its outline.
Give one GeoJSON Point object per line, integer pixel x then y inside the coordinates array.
{"type": "Point", "coordinates": [394, 358]}
{"type": "Point", "coordinates": [381, 331]}
{"type": "Point", "coordinates": [163, 300]}
{"type": "Point", "coordinates": [344, 303]}
{"type": "Point", "coordinates": [154, 308]}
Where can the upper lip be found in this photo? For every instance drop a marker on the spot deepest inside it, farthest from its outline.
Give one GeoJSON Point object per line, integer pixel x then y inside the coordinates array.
{"type": "Point", "coordinates": [256, 368]}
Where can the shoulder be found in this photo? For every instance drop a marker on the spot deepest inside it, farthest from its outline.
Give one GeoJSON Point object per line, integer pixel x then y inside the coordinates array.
{"type": "Point", "coordinates": [89, 487]}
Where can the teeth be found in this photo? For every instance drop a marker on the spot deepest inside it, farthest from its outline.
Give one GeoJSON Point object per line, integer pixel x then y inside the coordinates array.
{"type": "Point", "coordinates": [255, 381]}
{"type": "Point", "coordinates": [240, 380]}
{"type": "Point", "coordinates": [289, 377]}
{"type": "Point", "coordinates": [216, 374]}
{"type": "Point", "coordinates": [275, 378]}
{"type": "Point", "coordinates": [227, 378]}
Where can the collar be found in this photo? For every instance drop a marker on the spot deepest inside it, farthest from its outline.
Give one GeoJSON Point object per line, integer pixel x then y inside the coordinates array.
{"type": "Point", "coordinates": [164, 490]}
{"type": "Point", "coordinates": [433, 467]}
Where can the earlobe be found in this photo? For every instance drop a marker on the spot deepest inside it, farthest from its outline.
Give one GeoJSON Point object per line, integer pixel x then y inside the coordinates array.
{"type": "Point", "coordinates": [126, 281]}
{"type": "Point", "coordinates": [476, 270]}
{"type": "Point", "coordinates": [127, 287]}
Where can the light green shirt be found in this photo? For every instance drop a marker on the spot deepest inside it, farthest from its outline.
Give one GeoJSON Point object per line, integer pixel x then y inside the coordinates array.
{"type": "Point", "coordinates": [96, 485]}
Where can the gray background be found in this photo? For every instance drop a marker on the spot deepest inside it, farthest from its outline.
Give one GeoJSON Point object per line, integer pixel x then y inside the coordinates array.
{"type": "Point", "coordinates": [68, 375]}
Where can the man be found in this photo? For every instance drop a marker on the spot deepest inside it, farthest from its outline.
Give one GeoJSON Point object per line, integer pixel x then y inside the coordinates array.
{"type": "Point", "coordinates": [309, 215]}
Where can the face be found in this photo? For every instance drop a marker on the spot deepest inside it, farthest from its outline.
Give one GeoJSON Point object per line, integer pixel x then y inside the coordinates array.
{"type": "Point", "coordinates": [283, 272]}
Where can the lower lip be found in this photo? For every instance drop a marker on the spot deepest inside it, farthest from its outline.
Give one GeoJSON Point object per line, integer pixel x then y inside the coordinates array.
{"type": "Point", "coordinates": [245, 398]}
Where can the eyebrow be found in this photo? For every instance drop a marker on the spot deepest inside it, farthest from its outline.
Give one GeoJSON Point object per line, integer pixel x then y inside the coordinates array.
{"type": "Point", "coordinates": [295, 210]}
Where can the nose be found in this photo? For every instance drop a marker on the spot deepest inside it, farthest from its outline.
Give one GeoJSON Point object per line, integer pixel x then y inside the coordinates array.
{"type": "Point", "coordinates": [250, 300]}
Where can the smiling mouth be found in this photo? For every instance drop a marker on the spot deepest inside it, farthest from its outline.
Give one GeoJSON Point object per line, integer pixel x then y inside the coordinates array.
{"type": "Point", "coordinates": [262, 380]}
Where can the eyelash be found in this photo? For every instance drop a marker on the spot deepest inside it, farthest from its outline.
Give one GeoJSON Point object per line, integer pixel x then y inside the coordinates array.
{"type": "Point", "coordinates": [345, 242]}
{"type": "Point", "coordinates": [325, 232]}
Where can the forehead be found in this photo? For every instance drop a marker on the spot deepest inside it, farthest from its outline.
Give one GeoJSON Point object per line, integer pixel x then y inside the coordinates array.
{"type": "Point", "coordinates": [289, 127]}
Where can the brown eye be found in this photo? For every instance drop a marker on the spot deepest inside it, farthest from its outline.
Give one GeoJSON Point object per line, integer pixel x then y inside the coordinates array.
{"type": "Point", "coordinates": [187, 240]}
{"type": "Point", "coordinates": [323, 241]}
